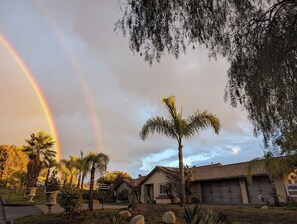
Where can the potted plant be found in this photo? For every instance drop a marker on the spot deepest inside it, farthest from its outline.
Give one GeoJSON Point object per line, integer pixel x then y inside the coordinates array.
{"type": "Point", "coordinates": [52, 189]}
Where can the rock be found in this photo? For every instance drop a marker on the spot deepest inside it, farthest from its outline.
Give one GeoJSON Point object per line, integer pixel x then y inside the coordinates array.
{"type": "Point", "coordinates": [138, 219]}
{"type": "Point", "coordinates": [264, 207]}
{"type": "Point", "coordinates": [168, 217]}
{"type": "Point", "coordinates": [125, 214]}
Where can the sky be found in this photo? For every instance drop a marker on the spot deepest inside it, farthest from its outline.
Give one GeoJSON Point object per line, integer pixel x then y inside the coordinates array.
{"type": "Point", "coordinates": [100, 93]}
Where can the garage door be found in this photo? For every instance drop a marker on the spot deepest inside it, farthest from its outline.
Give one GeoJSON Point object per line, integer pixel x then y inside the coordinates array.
{"type": "Point", "coordinates": [221, 192]}
{"type": "Point", "coordinates": [260, 186]}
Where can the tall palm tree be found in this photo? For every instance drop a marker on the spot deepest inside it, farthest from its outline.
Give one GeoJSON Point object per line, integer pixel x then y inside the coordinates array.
{"type": "Point", "coordinates": [83, 168]}
{"type": "Point", "coordinates": [96, 162]}
{"type": "Point", "coordinates": [38, 146]}
{"type": "Point", "coordinates": [178, 128]}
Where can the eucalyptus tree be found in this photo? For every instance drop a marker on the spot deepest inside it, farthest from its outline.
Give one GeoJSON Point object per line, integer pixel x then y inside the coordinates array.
{"type": "Point", "coordinates": [38, 147]}
{"type": "Point", "coordinates": [178, 128]}
{"type": "Point", "coordinates": [97, 162]}
{"type": "Point", "coordinates": [258, 38]}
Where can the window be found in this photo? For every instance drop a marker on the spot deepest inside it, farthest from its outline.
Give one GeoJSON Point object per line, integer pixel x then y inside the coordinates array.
{"type": "Point", "coordinates": [163, 189]}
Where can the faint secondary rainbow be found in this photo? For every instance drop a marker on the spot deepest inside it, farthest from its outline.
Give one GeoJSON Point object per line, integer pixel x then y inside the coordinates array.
{"type": "Point", "coordinates": [78, 73]}
{"type": "Point", "coordinates": [13, 53]}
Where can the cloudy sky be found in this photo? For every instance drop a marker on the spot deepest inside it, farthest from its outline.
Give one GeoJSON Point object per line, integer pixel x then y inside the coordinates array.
{"type": "Point", "coordinates": [100, 93]}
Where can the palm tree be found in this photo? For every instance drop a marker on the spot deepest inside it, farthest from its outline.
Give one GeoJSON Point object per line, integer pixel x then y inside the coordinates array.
{"type": "Point", "coordinates": [96, 162]}
{"type": "Point", "coordinates": [38, 147]}
{"type": "Point", "coordinates": [49, 163]}
{"type": "Point", "coordinates": [83, 168]}
{"type": "Point", "coordinates": [70, 168]}
{"type": "Point", "coordinates": [178, 128]}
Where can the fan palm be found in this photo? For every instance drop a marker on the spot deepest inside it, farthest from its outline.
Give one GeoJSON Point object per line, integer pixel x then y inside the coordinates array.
{"type": "Point", "coordinates": [178, 128]}
{"type": "Point", "coordinates": [96, 162]}
{"type": "Point", "coordinates": [38, 146]}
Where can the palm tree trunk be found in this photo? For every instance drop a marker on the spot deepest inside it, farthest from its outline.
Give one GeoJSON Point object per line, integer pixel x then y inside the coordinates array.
{"type": "Point", "coordinates": [182, 191]}
{"type": "Point", "coordinates": [47, 176]}
{"type": "Point", "coordinates": [82, 181]}
{"type": "Point", "coordinates": [71, 179]}
{"type": "Point", "coordinates": [91, 188]}
{"type": "Point", "coordinates": [65, 181]}
{"type": "Point", "coordinates": [78, 182]}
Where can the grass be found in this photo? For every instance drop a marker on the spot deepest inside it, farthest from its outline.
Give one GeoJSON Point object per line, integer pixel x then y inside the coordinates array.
{"type": "Point", "coordinates": [153, 215]}
{"type": "Point", "coordinates": [17, 197]}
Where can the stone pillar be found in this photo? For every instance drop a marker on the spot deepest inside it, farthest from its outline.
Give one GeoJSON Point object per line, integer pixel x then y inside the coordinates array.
{"type": "Point", "coordinates": [280, 189]}
{"type": "Point", "coordinates": [244, 193]}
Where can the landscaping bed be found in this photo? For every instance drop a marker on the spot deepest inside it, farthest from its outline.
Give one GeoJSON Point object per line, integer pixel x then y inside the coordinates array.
{"type": "Point", "coordinates": [153, 215]}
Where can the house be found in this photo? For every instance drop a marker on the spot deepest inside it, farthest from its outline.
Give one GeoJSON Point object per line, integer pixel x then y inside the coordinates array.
{"type": "Point", "coordinates": [219, 184]}
{"type": "Point", "coordinates": [130, 187]}
{"type": "Point", "coordinates": [153, 185]}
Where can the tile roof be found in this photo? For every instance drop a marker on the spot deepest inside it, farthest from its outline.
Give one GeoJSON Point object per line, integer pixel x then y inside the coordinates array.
{"type": "Point", "coordinates": [167, 170]}
{"type": "Point", "coordinates": [136, 181]}
{"type": "Point", "coordinates": [215, 171]}
{"type": "Point", "coordinates": [219, 171]}
{"type": "Point", "coordinates": [131, 182]}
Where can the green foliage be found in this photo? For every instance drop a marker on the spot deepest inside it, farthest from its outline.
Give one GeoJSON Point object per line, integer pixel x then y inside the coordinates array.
{"type": "Point", "coordinates": [115, 219]}
{"type": "Point", "coordinates": [258, 38]}
{"type": "Point", "coordinates": [39, 144]}
{"type": "Point", "coordinates": [3, 158]}
{"type": "Point", "coordinates": [112, 177]}
{"type": "Point", "coordinates": [288, 143]}
{"type": "Point", "coordinates": [70, 199]}
{"type": "Point", "coordinates": [37, 148]}
{"type": "Point", "coordinates": [53, 183]}
{"type": "Point", "coordinates": [122, 195]}
{"type": "Point", "coordinates": [195, 215]}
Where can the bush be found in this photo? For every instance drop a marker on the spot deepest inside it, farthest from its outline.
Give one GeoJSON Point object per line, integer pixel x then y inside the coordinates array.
{"type": "Point", "coordinates": [53, 183]}
{"type": "Point", "coordinates": [195, 215]}
{"type": "Point", "coordinates": [70, 199]}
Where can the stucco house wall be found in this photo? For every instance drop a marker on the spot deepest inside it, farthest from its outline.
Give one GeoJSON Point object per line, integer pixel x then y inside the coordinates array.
{"type": "Point", "coordinates": [153, 182]}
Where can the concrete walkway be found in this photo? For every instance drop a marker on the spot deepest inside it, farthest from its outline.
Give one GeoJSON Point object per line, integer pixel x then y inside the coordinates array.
{"type": "Point", "coordinates": [14, 212]}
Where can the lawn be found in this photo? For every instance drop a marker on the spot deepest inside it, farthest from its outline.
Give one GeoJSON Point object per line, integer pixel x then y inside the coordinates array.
{"type": "Point", "coordinates": [153, 215]}
{"type": "Point", "coordinates": [17, 197]}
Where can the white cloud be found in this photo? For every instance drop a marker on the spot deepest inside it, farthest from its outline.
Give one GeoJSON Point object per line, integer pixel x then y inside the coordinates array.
{"type": "Point", "coordinates": [235, 150]}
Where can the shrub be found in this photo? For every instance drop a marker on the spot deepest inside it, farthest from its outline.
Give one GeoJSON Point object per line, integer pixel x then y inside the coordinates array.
{"type": "Point", "coordinates": [70, 199]}
{"type": "Point", "coordinates": [53, 183]}
{"type": "Point", "coordinates": [195, 215]}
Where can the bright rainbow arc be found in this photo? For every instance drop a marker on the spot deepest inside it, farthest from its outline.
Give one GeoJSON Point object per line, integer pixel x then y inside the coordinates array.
{"type": "Point", "coordinates": [13, 53]}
